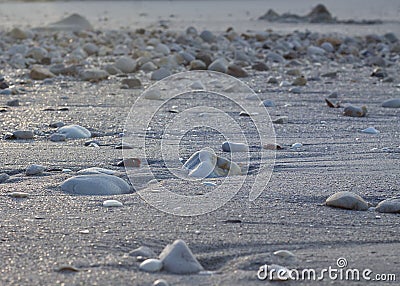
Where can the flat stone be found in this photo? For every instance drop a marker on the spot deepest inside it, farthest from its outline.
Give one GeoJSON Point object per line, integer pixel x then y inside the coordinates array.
{"type": "Point", "coordinates": [97, 184]}
{"type": "Point", "coordinates": [4, 177]}
{"type": "Point", "coordinates": [354, 111]}
{"type": "Point", "coordinates": [34, 169]}
{"type": "Point", "coordinates": [219, 65]}
{"type": "Point", "coordinates": [23, 134]}
{"type": "Point", "coordinates": [13, 103]}
{"type": "Point", "coordinates": [112, 204]}
{"type": "Point", "coordinates": [74, 131]}
{"type": "Point", "coordinates": [56, 137]}
{"type": "Point", "coordinates": [132, 83]}
{"type": "Point", "coordinates": [391, 205]}
{"type": "Point", "coordinates": [236, 71]}
{"type": "Point", "coordinates": [40, 73]}
{"type": "Point", "coordinates": [178, 259]}
{"type": "Point", "coordinates": [197, 65]}
{"type": "Point", "coordinates": [143, 251]}
{"type": "Point", "coordinates": [347, 200]}
{"type": "Point", "coordinates": [96, 170]}
{"type": "Point", "coordinates": [391, 103]}
{"type": "Point", "coordinates": [234, 147]}
{"type": "Point", "coordinates": [93, 75]}
{"type": "Point", "coordinates": [160, 74]}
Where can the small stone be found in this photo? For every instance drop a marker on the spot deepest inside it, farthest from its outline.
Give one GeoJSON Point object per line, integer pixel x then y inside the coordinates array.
{"type": "Point", "coordinates": [152, 94]}
{"type": "Point", "coordinates": [112, 203]}
{"type": "Point", "coordinates": [284, 254]}
{"type": "Point", "coordinates": [4, 177]}
{"type": "Point", "coordinates": [13, 103]}
{"type": "Point", "coordinates": [129, 163]}
{"type": "Point", "coordinates": [160, 282]}
{"type": "Point", "coordinates": [123, 145]}
{"type": "Point", "coordinates": [296, 145]}
{"type": "Point", "coordinates": [56, 137]}
{"type": "Point", "coordinates": [58, 69]}
{"type": "Point", "coordinates": [315, 51]}
{"type": "Point", "coordinates": [197, 85]}
{"type": "Point", "coordinates": [272, 80]}
{"type": "Point", "coordinates": [300, 81]}
{"type": "Point", "coordinates": [272, 146]}
{"type": "Point", "coordinates": [284, 83]}
{"type": "Point", "coordinates": [260, 66]}
{"type": "Point", "coordinates": [328, 47]}
{"type": "Point", "coordinates": [112, 69]}
{"type": "Point", "coordinates": [236, 71]}
{"type": "Point", "coordinates": [90, 48]}
{"type": "Point", "coordinates": [23, 134]}
{"type": "Point", "coordinates": [160, 74]}
{"type": "Point", "coordinates": [207, 36]}
{"type": "Point", "coordinates": [347, 200]}
{"type": "Point", "coordinates": [295, 90]}
{"type": "Point", "coordinates": [18, 195]}
{"type": "Point", "coordinates": [178, 259]}
{"type": "Point", "coordinates": [34, 169]}
{"type": "Point", "coordinates": [370, 130]}
{"type": "Point", "coordinates": [37, 53]}
{"type": "Point", "coordinates": [197, 65]}
{"type": "Point", "coordinates": [379, 73]}
{"type": "Point", "coordinates": [354, 111]}
{"type": "Point", "coordinates": [96, 170]}
{"type": "Point", "coordinates": [74, 131]}
{"type": "Point", "coordinates": [126, 64]}
{"type": "Point", "coordinates": [148, 67]}
{"type": "Point", "coordinates": [391, 103]}
{"type": "Point", "coordinates": [93, 75]}
{"type": "Point", "coordinates": [40, 73]}
{"type": "Point", "coordinates": [281, 120]}
{"type": "Point", "coordinates": [143, 251]}
{"type": "Point", "coordinates": [330, 74]}
{"type": "Point", "coordinates": [268, 103]}
{"type": "Point", "coordinates": [18, 34]}
{"type": "Point", "coordinates": [391, 205]}
{"type": "Point", "coordinates": [234, 147]}
{"type": "Point", "coordinates": [163, 49]}
{"type": "Point", "coordinates": [219, 65]}
{"type": "Point", "coordinates": [274, 57]}
{"type": "Point", "coordinates": [57, 124]}
{"type": "Point", "coordinates": [151, 265]}
{"type": "Point", "coordinates": [98, 184]}
{"type": "Point", "coordinates": [132, 83]}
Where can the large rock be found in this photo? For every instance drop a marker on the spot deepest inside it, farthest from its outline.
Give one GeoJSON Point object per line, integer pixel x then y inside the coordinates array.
{"type": "Point", "coordinates": [347, 200]}
{"type": "Point", "coordinates": [98, 184]}
{"type": "Point", "coordinates": [178, 259]}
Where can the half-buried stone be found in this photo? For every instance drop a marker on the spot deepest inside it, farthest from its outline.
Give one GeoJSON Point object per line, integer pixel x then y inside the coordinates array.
{"type": "Point", "coordinates": [347, 200]}
{"type": "Point", "coordinates": [96, 170]}
{"type": "Point", "coordinates": [98, 184]}
{"type": "Point", "coordinates": [206, 164]}
{"type": "Point", "coordinates": [74, 132]}
{"type": "Point", "coordinates": [391, 205]}
{"type": "Point", "coordinates": [391, 103]}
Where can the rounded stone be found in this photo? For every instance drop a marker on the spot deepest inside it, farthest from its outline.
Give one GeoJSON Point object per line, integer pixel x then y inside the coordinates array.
{"type": "Point", "coordinates": [56, 137]}
{"type": "Point", "coordinates": [347, 200]}
{"type": "Point", "coordinates": [160, 74]}
{"type": "Point", "coordinates": [391, 205]}
{"type": "Point", "coordinates": [74, 131]}
{"type": "Point", "coordinates": [197, 65]}
{"type": "Point", "coordinates": [391, 103]}
{"type": "Point", "coordinates": [151, 265]}
{"type": "Point", "coordinates": [219, 65]}
{"type": "Point", "coordinates": [34, 169]}
{"type": "Point", "coordinates": [126, 64]}
{"type": "Point", "coordinates": [23, 134]}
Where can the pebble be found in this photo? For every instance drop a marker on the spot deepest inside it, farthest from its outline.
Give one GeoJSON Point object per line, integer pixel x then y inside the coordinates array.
{"type": "Point", "coordinates": [284, 254]}
{"type": "Point", "coordinates": [391, 205]}
{"type": "Point", "coordinates": [354, 111]}
{"type": "Point", "coordinates": [112, 203]}
{"type": "Point", "coordinates": [313, 50]}
{"type": "Point", "coordinates": [219, 65]}
{"type": "Point", "coordinates": [163, 49]}
{"type": "Point", "coordinates": [296, 145]}
{"type": "Point", "coordinates": [19, 195]}
{"type": "Point", "coordinates": [143, 251]}
{"type": "Point", "coordinates": [160, 282]}
{"type": "Point", "coordinates": [300, 81]}
{"type": "Point", "coordinates": [74, 22]}
{"type": "Point", "coordinates": [370, 130]}
{"type": "Point", "coordinates": [272, 146]}
{"type": "Point", "coordinates": [281, 120]}
{"type": "Point", "coordinates": [347, 200]}
{"type": "Point", "coordinates": [206, 164]}
{"type": "Point", "coordinates": [268, 103]}
{"type": "Point", "coordinates": [197, 65]}
{"type": "Point", "coordinates": [125, 64]}
{"type": "Point", "coordinates": [260, 66]}
{"type": "Point", "coordinates": [19, 34]}
{"type": "Point", "coordinates": [97, 184]}
{"type": "Point", "coordinates": [57, 124]}
{"type": "Point", "coordinates": [132, 83]}
{"type": "Point", "coordinates": [4, 177]}
{"type": "Point", "coordinates": [13, 103]}
{"type": "Point", "coordinates": [197, 85]}
{"type": "Point", "coordinates": [207, 36]}
{"type": "Point", "coordinates": [152, 94]}
{"type": "Point", "coordinates": [272, 80]}
{"type": "Point", "coordinates": [56, 137]}
{"type": "Point", "coordinates": [96, 170]}
{"type": "Point", "coordinates": [40, 73]}
{"type": "Point", "coordinates": [129, 163]}
{"type": "Point", "coordinates": [23, 134]}
{"type": "Point", "coordinates": [274, 57]}
{"type": "Point", "coordinates": [148, 67]}
{"type": "Point", "coordinates": [74, 132]}
{"type": "Point", "coordinates": [160, 74]}
{"type": "Point", "coordinates": [34, 169]}
{"type": "Point", "coordinates": [209, 184]}
{"type": "Point", "coordinates": [236, 71]}
{"type": "Point", "coordinates": [234, 147]}
{"type": "Point", "coordinates": [93, 75]}
{"type": "Point", "coordinates": [90, 48]}
{"type": "Point", "coordinates": [178, 259]}
{"type": "Point", "coordinates": [151, 265]}
{"type": "Point", "coordinates": [295, 90]}
{"type": "Point", "coordinates": [391, 103]}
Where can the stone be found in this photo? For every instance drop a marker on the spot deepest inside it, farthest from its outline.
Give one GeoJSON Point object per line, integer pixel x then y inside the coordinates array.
{"type": "Point", "coordinates": [163, 49]}
{"type": "Point", "coordinates": [112, 203]}
{"type": "Point", "coordinates": [207, 36]}
{"type": "Point", "coordinates": [234, 147]}
{"type": "Point", "coordinates": [178, 259]}
{"type": "Point", "coordinates": [151, 265]}
{"type": "Point", "coordinates": [370, 130]}
{"type": "Point", "coordinates": [40, 73]}
{"type": "Point", "coordinates": [90, 49]}
{"type": "Point", "coordinates": [125, 64]}
{"type": "Point", "coordinates": [206, 164]}
{"type": "Point", "coordinates": [112, 69]}
{"type": "Point", "coordinates": [97, 184]}
{"type": "Point", "coordinates": [160, 282]}
{"type": "Point", "coordinates": [197, 85]}
{"type": "Point", "coordinates": [272, 146]}
{"type": "Point", "coordinates": [281, 120]}
{"type": "Point", "coordinates": [152, 94]}
{"type": "Point", "coordinates": [74, 131]}
{"type": "Point", "coordinates": [143, 251]}
{"type": "Point", "coordinates": [18, 195]}
{"type": "Point", "coordinates": [57, 124]}
{"type": "Point", "coordinates": [236, 71]}
{"type": "Point", "coordinates": [284, 254]}
{"type": "Point", "coordinates": [56, 137]}
{"type": "Point", "coordinates": [328, 47]}
{"type": "Point", "coordinates": [148, 67]}
{"type": "Point", "coordinates": [268, 103]}
{"type": "Point", "coordinates": [96, 170]}
{"type": "Point", "coordinates": [23, 134]}
{"type": "Point", "coordinates": [219, 65]}
{"type": "Point", "coordinates": [391, 103]}
{"type": "Point", "coordinates": [61, 69]}
{"type": "Point", "coordinates": [354, 111]}
{"type": "Point", "coordinates": [132, 83]}
{"type": "Point", "coordinates": [347, 200]}
{"type": "Point", "coordinates": [300, 81]}
{"type": "Point", "coordinates": [320, 14]}
{"type": "Point", "coordinates": [13, 103]}
{"type": "Point", "coordinates": [260, 66]}
{"type": "Point", "coordinates": [197, 65]}
{"type": "Point", "coordinates": [391, 205]}
{"type": "Point", "coordinates": [275, 57]}
{"type": "Point", "coordinates": [74, 22]}
{"type": "Point", "coordinates": [296, 145]}
{"type": "Point", "coordinates": [18, 34]}
{"type": "Point", "coordinates": [4, 177]}
{"type": "Point", "coordinates": [37, 53]}
{"type": "Point", "coordinates": [160, 74]}
{"type": "Point", "coordinates": [315, 51]}
{"type": "Point", "coordinates": [34, 169]}
{"type": "Point", "coordinates": [93, 75]}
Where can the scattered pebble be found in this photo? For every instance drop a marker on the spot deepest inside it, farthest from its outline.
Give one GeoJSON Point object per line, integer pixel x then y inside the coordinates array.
{"type": "Point", "coordinates": [125, 64]}
{"type": "Point", "coordinates": [34, 169]}
{"type": "Point", "coordinates": [160, 282]}
{"type": "Point", "coordinates": [132, 83]}
{"type": "Point", "coordinates": [178, 259]}
{"type": "Point", "coordinates": [219, 65]}
{"type": "Point", "coordinates": [97, 184]}
{"type": "Point", "coordinates": [272, 146]}
{"type": "Point", "coordinates": [4, 177]}
{"type": "Point", "coordinates": [209, 184]}
{"type": "Point", "coordinates": [40, 73]}
{"type": "Point", "coordinates": [160, 74]}
{"type": "Point", "coordinates": [234, 147]}
{"type": "Point", "coordinates": [96, 170]}
{"type": "Point", "coordinates": [236, 71]}
{"type": "Point", "coordinates": [93, 75]}
{"type": "Point", "coordinates": [19, 195]}
{"type": "Point", "coordinates": [370, 130]}
{"type": "Point", "coordinates": [112, 203]}
{"type": "Point", "coordinates": [281, 120]}
{"type": "Point", "coordinates": [13, 103]}
{"type": "Point", "coordinates": [347, 200]}
{"type": "Point", "coordinates": [391, 103]}
{"type": "Point", "coordinates": [391, 205]}
{"type": "Point", "coordinates": [129, 163]}
{"type": "Point", "coordinates": [152, 94]}
{"type": "Point", "coordinates": [143, 251]}
{"type": "Point", "coordinates": [74, 132]}
{"type": "Point", "coordinates": [151, 265]}
{"type": "Point", "coordinates": [354, 111]}
{"type": "Point", "coordinates": [284, 254]}
{"type": "Point", "coordinates": [56, 137]}
{"type": "Point", "coordinates": [268, 103]}
{"type": "Point", "coordinates": [23, 134]}
{"type": "Point", "coordinates": [296, 145]}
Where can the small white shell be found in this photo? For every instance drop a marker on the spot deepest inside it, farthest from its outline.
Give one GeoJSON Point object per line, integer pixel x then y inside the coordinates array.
{"type": "Point", "coordinates": [151, 265]}
{"type": "Point", "coordinates": [112, 203]}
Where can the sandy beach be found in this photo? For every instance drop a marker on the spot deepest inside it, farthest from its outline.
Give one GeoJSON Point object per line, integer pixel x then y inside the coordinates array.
{"type": "Point", "coordinates": [94, 72]}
